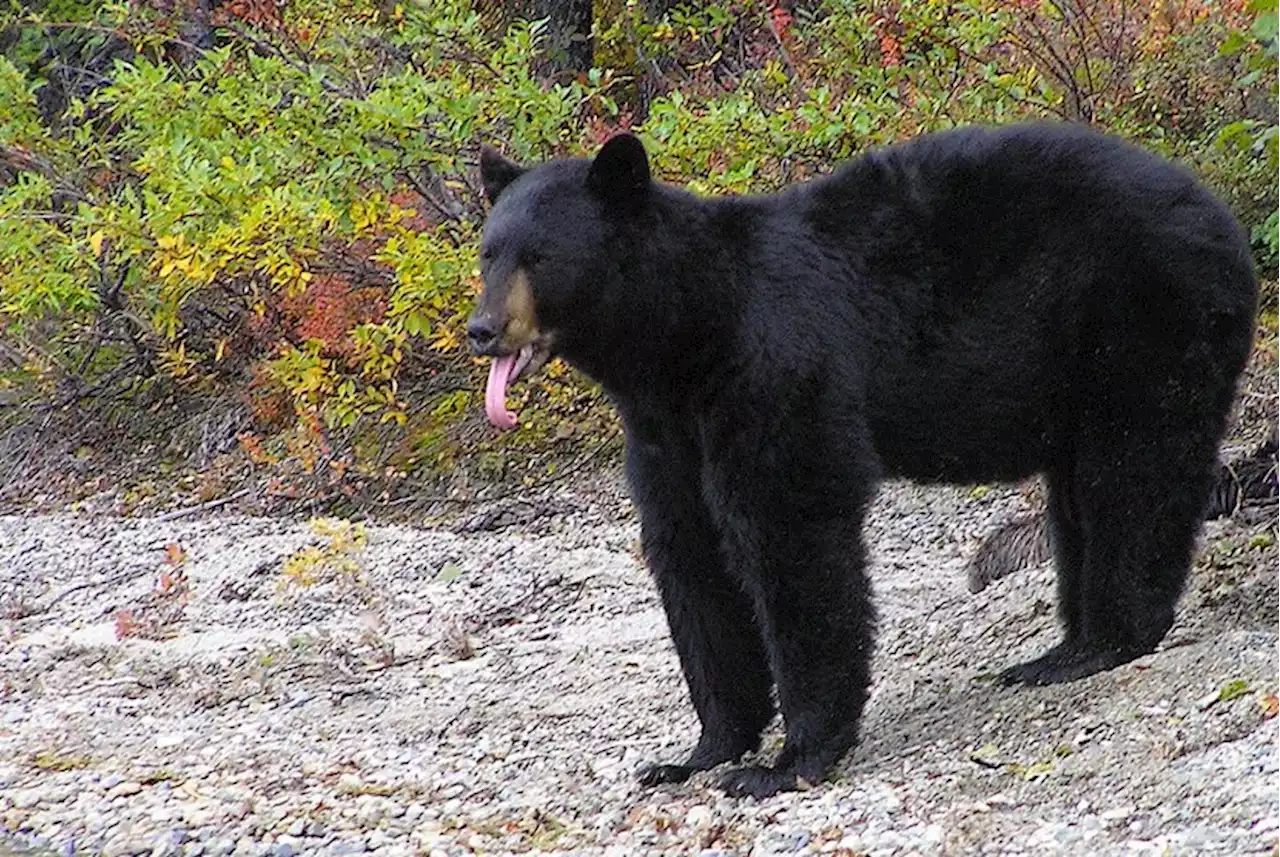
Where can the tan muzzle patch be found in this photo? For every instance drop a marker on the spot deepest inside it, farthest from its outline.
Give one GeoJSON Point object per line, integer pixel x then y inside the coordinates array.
{"type": "Point", "coordinates": [522, 318]}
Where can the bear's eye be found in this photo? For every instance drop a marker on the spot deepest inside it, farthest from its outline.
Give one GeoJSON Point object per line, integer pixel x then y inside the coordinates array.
{"type": "Point", "coordinates": [532, 258]}
{"type": "Point", "coordinates": [486, 254]}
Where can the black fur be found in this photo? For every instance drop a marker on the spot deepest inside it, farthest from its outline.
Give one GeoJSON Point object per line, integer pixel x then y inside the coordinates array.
{"type": "Point", "coordinates": [970, 306]}
{"type": "Point", "coordinates": [1024, 541]}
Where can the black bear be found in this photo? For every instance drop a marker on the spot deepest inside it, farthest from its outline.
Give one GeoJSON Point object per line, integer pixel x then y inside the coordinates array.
{"type": "Point", "coordinates": [981, 304]}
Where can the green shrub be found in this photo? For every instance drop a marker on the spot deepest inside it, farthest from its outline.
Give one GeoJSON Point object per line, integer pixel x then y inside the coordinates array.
{"type": "Point", "coordinates": [1249, 142]}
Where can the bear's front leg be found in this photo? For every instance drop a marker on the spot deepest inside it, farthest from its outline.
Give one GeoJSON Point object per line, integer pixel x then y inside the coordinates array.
{"type": "Point", "coordinates": [818, 624]}
{"type": "Point", "coordinates": [711, 620]}
{"type": "Point", "coordinates": [791, 503]}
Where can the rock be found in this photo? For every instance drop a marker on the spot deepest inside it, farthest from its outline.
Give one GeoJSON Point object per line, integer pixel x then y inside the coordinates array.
{"type": "Point", "coordinates": [453, 790]}
{"type": "Point", "coordinates": [1119, 814]}
{"type": "Point", "coordinates": [200, 815]}
{"type": "Point", "coordinates": [697, 816]}
{"type": "Point", "coordinates": [25, 798]}
{"type": "Point", "coordinates": [369, 810]}
{"type": "Point", "coordinates": [169, 844]}
{"type": "Point", "coordinates": [298, 827]}
{"type": "Point", "coordinates": [126, 846]}
{"type": "Point", "coordinates": [852, 843]}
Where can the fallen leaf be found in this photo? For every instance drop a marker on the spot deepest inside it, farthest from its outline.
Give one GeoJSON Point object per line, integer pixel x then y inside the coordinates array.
{"type": "Point", "coordinates": [174, 554]}
{"type": "Point", "coordinates": [126, 624]}
{"type": "Point", "coordinates": [1233, 689]}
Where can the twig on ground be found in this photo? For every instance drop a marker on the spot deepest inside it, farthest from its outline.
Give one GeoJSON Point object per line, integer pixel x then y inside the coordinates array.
{"type": "Point", "coordinates": [76, 587]}
{"type": "Point", "coordinates": [203, 507]}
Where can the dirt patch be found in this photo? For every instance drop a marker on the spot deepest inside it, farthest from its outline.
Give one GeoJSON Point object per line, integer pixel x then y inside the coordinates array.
{"type": "Point", "coordinates": [491, 684]}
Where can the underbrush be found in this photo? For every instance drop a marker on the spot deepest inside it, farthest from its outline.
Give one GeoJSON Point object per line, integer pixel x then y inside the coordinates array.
{"type": "Point", "coordinates": [240, 243]}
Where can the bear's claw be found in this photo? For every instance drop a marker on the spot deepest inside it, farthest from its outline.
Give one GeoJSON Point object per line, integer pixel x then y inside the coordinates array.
{"type": "Point", "coordinates": [1070, 661]}
{"type": "Point", "coordinates": [761, 782]}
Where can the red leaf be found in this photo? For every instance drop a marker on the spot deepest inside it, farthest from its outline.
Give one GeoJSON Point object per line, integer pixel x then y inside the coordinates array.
{"type": "Point", "coordinates": [126, 625]}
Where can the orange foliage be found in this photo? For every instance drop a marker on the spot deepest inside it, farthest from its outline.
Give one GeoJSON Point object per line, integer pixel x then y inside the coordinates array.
{"type": "Point", "coordinates": [1170, 17]}
{"type": "Point", "coordinates": [259, 13]}
{"type": "Point", "coordinates": [601, 128]}
{"type": "Point", "coordinates": [890, 45]}
{"type": "Point", "coordinates": [329, 308]}
{"type": "Point", "coordinates": [781, 19]}
{"type": "Point", "coordinates": [412, 201]}
{"type": "Point", "coordinates": [269, 402]}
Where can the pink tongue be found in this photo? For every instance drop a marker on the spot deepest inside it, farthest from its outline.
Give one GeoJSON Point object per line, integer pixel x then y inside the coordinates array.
{"type": "Point", "coordinates": [495, 394]}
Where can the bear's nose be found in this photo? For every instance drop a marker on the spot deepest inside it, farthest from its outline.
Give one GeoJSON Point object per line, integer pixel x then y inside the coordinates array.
{"type": "Point", "coordinates": [483, 333]}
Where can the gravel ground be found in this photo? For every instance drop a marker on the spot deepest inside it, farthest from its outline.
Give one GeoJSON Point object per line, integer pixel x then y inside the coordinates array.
{"type": "Point", "coordinates": [489, 685]}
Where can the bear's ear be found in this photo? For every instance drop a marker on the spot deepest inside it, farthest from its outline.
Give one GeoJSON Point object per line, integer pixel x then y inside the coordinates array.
{"type": "Point", "coordinates": [620, 172]}
{"type": "Point", "coordinates": [496, 172]}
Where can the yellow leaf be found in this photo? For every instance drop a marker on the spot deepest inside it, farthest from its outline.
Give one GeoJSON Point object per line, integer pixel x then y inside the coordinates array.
{"type": "Point", "coordinates": [220, 351]}
{"type": "Point", "coordinates": [95, 242]}
{"type": "Point", "coordinates": [446, 341]}
{"type": "Point", "coordinates": [228, 163]}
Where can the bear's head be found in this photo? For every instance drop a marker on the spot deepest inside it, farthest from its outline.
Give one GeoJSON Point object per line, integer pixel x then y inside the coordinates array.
{"type": "Point", "coordinates": [549, 246]}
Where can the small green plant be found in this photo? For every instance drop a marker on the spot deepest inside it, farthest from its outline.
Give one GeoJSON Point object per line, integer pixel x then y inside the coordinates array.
{"type": "Point", "coordinates": [1233, 689]}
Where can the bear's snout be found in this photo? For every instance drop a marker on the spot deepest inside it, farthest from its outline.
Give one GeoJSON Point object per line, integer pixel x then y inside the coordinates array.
{"type": "Point", "coordinates": [484, 332]}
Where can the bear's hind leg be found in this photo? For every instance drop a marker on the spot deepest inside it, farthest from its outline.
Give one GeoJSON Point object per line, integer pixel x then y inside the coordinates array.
{"type": "Point", "coordinates": [1139, 511]}
{"type": "Point", "coordinates": [1066, 540]}
{"type": "Point", "coordinates": [711, 620]}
